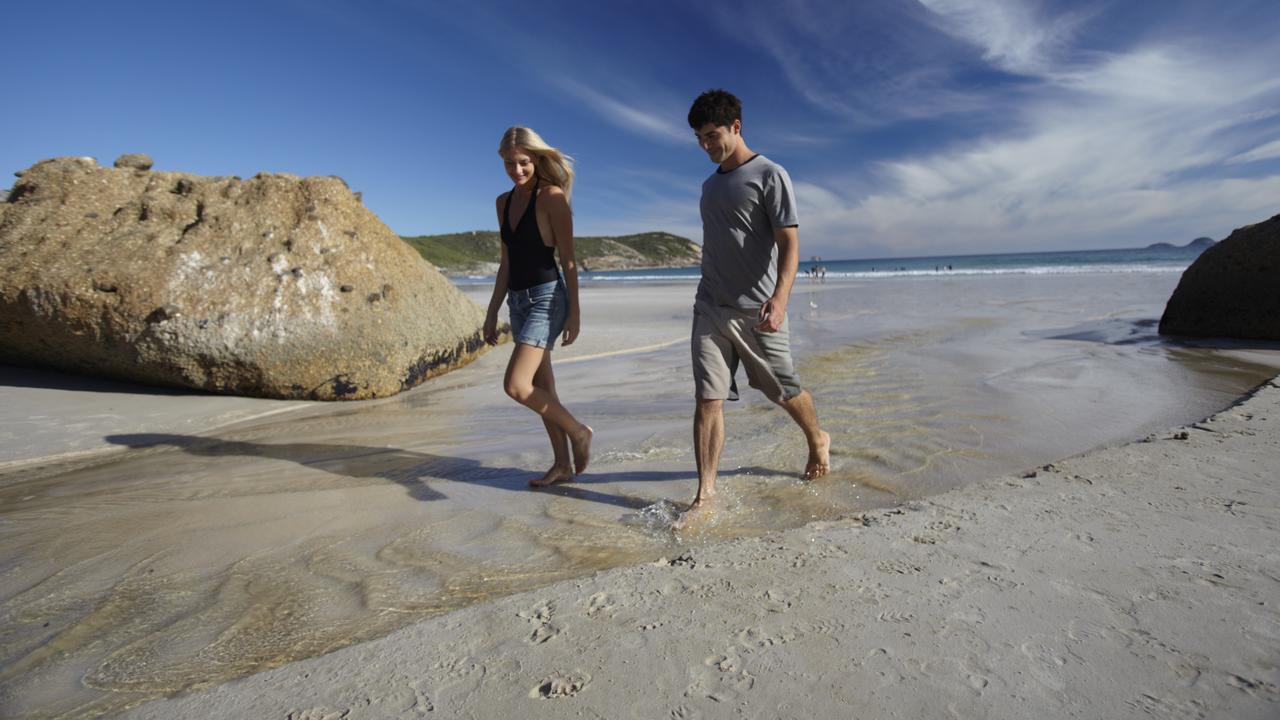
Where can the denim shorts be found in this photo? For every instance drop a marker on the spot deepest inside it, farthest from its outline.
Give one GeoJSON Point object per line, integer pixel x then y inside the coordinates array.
{"type": "Point", "coordinates": [538, 313]}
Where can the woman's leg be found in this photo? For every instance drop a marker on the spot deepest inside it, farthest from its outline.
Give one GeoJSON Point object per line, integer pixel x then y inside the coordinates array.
{"type": "Point", "coordinates": [562, 468]}
{"type": "Point", "coordinates": [519, 385]}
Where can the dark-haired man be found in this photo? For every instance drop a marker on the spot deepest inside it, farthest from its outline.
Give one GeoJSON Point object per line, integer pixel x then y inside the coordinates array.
{"type": "Point", "coordinates": [750, 255]}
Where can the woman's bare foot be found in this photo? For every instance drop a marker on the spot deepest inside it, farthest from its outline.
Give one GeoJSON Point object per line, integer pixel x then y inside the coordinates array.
{"type": "Point", "coordinates": [557, 474]}
{"type": "Point", "coordinates": [580, 443]}
{"type": "Point", "coordinates": [819, 463]}
{"type": "Point", "coordinates": [700, 511]}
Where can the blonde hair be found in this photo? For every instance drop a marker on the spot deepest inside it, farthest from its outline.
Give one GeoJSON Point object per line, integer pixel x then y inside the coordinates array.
{"type": "Point", "coordinates": [549, 164]}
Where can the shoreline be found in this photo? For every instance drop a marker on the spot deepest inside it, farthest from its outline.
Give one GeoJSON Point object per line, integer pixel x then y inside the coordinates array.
{"type": "Point", "coordinates": [1126, 581]}
{"type": "Point", "coordinates": [206, 556]}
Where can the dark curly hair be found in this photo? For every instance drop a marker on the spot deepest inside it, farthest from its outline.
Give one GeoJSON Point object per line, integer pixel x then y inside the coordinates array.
{"type": "Point", "coordinates": [718, 107]}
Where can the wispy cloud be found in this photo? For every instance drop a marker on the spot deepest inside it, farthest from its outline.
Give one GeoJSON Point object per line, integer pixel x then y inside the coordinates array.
{"type": "Point", "coordinates": [1011, 35]}
{"type": "Point", "coordinates": [870, 68]}
{"type": "Point", "coordinates": [1132, 150]}
{"type": "Point", "coordinates": [628, 117]}
{"type": "Point", "coordinates": [1071, 145]}
{"type": "Point", "coordinates": [1270, 151]}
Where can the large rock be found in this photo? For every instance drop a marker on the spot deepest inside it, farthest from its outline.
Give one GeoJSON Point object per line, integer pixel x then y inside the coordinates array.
{"type": "Point", "coordinates": [1231, 290]}
{"type": "Point", "coordinates": [276, 286]}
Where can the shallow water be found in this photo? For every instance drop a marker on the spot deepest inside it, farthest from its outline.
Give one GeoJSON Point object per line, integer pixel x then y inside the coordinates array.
{"type": "Point", "coordinates": [189, 561]}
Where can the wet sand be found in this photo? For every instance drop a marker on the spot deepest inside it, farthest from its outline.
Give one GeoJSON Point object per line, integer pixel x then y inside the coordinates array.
{"type": "Point", "coordinates": [189, 557]}
{"type": "Point", "coordinates": [1131, 582]}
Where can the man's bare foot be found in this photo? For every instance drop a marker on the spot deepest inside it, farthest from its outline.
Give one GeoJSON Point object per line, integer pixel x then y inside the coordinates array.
{"type": "Point", "coordinates": [819, 458]}
{"type": "Point", "coordinates": [700, 511]}
{"type": "Point", "coordinates": [580, 443]}
{"type": "Point", "coordinates": [557, 474]}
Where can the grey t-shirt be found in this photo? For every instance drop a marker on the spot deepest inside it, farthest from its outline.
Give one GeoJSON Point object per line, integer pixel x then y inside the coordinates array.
{"type": "Point", "coordinates": [740, 210]}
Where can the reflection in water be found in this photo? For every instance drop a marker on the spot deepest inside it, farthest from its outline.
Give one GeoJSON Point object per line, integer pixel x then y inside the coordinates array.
{"type": "Point", "coordinates": [189, 561]}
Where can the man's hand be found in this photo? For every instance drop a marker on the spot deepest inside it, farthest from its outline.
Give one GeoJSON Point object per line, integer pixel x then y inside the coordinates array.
{"type": "Point", "coordinates": [772, 314]}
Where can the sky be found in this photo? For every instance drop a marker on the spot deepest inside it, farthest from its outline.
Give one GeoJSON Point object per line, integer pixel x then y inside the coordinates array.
{"type": "Point", "coordinates": [909, 128]}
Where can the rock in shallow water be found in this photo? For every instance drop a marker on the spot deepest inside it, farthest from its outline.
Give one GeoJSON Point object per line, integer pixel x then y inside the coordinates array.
{"type": "Point", "coordinates": [277, 286]}
{"type": "Point", "coordinates": [1232, 290]}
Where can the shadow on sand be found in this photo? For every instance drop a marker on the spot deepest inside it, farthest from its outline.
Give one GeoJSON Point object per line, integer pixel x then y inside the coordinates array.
{"type": "Point", "coordinates": [414, 470]}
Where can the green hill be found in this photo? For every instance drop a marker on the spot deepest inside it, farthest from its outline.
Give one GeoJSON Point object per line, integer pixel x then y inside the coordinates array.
{"type": "Point", "coordinates": [478, 251]}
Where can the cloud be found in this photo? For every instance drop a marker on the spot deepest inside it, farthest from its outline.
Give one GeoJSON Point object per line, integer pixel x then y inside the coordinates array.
{"type": "Point", "coordinates": [1137, 147]}
{"type": "Point", "coordinates": [1010, 34]}
{"type": "Point", "coordinates": [871, 68]}
{"type": "Point", "coordinates": [1269, 151]}
{"type": "Point", "coordinates": [628, 117]}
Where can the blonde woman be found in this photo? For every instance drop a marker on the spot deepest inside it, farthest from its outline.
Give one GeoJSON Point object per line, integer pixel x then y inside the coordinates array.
{"type": "Point", "coordinates": [536, 221]}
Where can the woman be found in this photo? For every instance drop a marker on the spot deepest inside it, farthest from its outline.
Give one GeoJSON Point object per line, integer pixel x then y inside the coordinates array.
{"type": "Point", "coordinates": [536, 222]}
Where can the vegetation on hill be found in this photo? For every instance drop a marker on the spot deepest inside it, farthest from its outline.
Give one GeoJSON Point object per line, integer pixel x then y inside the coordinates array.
{"type": "Point", "coordinates": [1199, 243]}
{"type": "Point", "coordinates": [479, 251]}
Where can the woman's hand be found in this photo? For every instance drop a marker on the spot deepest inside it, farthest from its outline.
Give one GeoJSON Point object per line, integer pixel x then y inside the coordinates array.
{"type": "Point", "coordinates": [490, 331]}
{"type": "Point", "coordinates": [571, 327]}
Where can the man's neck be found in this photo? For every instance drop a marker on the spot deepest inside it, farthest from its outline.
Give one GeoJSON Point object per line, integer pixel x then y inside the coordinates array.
{"type": "Point", "coordinates": [739, 156]}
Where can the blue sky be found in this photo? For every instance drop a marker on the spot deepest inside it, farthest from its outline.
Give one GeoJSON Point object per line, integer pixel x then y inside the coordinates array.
{"type": "Point", "coordinates": [909, 128]}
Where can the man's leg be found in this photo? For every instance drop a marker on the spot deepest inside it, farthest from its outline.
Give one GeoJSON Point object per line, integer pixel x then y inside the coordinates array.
{"type": "Point", "coordinates": [802, 410]}
{"type": "Point", "coordinates": [776, 375]}
{"type": "Point", "coordinates": [708, 441]}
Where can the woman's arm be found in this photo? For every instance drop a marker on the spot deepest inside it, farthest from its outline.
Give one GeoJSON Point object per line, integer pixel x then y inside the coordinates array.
{"type": "Point", "coordinates": [560, 221]}
{"type": "Point", "coordinates": [490, 331]}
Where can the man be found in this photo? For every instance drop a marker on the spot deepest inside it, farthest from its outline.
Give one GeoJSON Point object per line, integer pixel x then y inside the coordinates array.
{"type": "Point", "coordinates": [750, 255]}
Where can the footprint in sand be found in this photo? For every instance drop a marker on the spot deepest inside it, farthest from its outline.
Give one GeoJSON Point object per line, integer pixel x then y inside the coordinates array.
{"type": "Point", "coordinates": [1046, 664]}
{"type": "Point", "coordinates": [758, 637]}
{"type": "Point", "coordinates": [560, 685]}
{"type": "Point", "coordinates": [540, 616]}
{"type": "Point", "coordinates": [776, 600]}
{"type": "Point", "coordinates": [318, 713]}
{"type": "Point", "coordinates": [684, 712]}
{"type": "Point", "coordinates": [898, 567]}
{"type": "Point", "coordinates": [1257, 688]}
{"type": "Point", "coordinates": [896, 616]}
{"type": "Point", "coordinates": [828, 627]}
{"type": "Point", "coordinates": [724, 682]}
{"type": "Point", "coordinates": [600, 603]}
{"type": "Point", "coordinates": [1170, 708]}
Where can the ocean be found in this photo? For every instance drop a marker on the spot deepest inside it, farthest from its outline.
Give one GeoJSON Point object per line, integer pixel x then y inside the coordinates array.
{"type": "Point", "coordinates": [1131, 260]}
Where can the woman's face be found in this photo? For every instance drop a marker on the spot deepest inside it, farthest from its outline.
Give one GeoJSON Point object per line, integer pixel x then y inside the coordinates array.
{"type": "Point", "coordinates": [519, 165]}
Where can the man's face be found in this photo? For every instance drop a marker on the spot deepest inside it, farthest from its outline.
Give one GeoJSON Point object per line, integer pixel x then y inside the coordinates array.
{"type": "Point", "coordinates": [719, 141]}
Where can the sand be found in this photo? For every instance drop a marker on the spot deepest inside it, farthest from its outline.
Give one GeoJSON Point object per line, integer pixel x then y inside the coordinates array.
{"type": "Point", "coordinates": [1135, 581]}
{"type": "Point", "coordinates": [148, 547]}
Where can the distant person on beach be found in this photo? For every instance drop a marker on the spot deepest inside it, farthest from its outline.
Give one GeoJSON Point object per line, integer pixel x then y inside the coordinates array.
{"type": "Point", "coordinates": [750, 256]}
{"type": "Point", "coordinates": [536, 221]}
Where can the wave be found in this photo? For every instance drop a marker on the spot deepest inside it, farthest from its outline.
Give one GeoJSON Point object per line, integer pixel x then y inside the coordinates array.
{"type": "Point", "coordinates": [871, 274]}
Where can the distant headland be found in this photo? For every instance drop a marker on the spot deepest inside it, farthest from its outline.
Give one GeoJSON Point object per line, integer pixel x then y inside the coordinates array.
{"type": "Point", "coordinates": [477, 252]}
{"type": "Point", "coordinates": [1200, 243]}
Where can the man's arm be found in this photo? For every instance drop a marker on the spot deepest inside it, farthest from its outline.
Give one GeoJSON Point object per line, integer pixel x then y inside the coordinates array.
{"type": "Point", "coordinates": [775, 309]}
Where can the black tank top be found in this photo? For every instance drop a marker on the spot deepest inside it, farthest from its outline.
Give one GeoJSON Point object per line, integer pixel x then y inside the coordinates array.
{"type": "Point", "coordinates": [530, 262]}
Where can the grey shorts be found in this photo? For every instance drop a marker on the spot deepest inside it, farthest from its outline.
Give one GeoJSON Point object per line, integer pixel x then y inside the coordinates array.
{"type": "Point", "coordinates": [723, 337]}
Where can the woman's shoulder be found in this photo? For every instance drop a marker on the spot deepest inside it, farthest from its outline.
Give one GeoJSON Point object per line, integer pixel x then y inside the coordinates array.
{"type": "Point", "coordinates": [552, 196]}
{"type": "Point", "coordinates": [502, 197]}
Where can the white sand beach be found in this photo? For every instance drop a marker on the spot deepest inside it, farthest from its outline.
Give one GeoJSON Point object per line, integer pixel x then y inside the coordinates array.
{"type": "Point", "coordinates": [247, 558]}
{"type": "Point", "coordinates": [1138, 581]}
